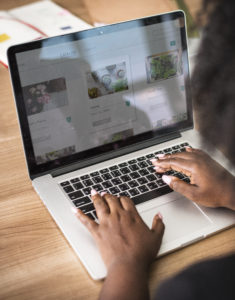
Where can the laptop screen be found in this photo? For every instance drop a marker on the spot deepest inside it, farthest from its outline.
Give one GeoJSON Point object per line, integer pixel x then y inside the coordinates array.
{"type": "Point", "coordinates": [88, 93]}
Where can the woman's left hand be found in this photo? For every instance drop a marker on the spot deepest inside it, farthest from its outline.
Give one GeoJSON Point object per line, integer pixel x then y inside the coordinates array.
{"type": "Point", "coordinates": [121, 235]}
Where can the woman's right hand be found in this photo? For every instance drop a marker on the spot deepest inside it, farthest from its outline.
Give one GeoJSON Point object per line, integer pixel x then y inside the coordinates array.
{"type": "Point", "coordinates": [211, 185]}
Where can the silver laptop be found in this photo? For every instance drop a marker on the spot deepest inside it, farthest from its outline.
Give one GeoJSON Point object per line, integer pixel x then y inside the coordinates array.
{"type": "Point", "coordinates": [94, 107]}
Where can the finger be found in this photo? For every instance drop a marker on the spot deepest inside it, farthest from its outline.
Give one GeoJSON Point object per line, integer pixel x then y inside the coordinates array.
{"type": "Point", "coordinates": [113, 202]}
{"type": "Point", "coordinates": [188, 190]}
{"type": "Point", "coordinates": [175, 163]}
{"type": "Point", "coordinates": [127, 203]}
{"type": "Point", "coordinates": [90, 224]}
{"type": "Point", "coordinates": [101, 206]}
{"type": "Point", "coordinates": [158, 226]}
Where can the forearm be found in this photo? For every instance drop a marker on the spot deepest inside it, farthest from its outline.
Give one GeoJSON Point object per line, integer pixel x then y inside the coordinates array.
{"type": "Point", "coordinates": [125, 282]}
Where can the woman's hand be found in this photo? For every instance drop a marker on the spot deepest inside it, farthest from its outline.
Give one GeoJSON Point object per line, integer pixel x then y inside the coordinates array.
{"type": "Point", "coordinates": [211, 185]}
{"type": "Point", "coordinates": [121, 235]}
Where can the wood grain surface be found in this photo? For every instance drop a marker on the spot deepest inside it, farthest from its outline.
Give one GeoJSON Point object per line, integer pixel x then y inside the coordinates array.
{"type": "Point", "coordinates": [36, 261]}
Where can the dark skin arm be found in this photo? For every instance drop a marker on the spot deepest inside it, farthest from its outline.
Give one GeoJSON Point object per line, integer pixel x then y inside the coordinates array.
{"type": "Point", "coordinates": [211, 185]}
{"type": "Point", "coordinates": [127, 254]}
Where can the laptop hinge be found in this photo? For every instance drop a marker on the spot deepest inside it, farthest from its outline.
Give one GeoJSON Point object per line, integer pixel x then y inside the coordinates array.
{"type": "Point", "coordinates": [113, 154]}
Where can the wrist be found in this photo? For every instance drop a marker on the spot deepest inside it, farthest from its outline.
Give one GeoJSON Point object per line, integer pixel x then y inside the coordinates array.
{"type": "Point", "coordinates": [230, 199]}
{"type": "Point", "coordinates": [126, 266]}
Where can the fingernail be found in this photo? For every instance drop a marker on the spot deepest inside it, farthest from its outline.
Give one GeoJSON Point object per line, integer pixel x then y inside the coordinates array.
{"type": "Point", "coordinates": [160, 216]}
{"type": "Point", "coordinates": [74, 210]}
{"type": "Point", "coordinates": [160, 155]}
{"type": "Point", "coordinates": [153, 160]}
{"type": "Point", "coordinates": [166, 179]}
{"type": "Point", "coordinates": [93, 192]}
{"type": "Point", "coordinates": [103, 193]}
{"type": "Point", "coordinates": [157, 168]}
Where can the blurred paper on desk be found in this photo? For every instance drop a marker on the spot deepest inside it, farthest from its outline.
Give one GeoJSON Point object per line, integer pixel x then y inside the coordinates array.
{"type": "Point", "coordinates": [35, 21]}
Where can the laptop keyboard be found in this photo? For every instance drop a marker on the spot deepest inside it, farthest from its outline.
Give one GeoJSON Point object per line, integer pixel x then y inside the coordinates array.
{"type": "Point", "coordinates": [135, 178]}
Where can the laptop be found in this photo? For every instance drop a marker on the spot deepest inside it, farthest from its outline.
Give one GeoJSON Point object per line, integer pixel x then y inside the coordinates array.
{"type": "Point", "coordinates": [94, 107]}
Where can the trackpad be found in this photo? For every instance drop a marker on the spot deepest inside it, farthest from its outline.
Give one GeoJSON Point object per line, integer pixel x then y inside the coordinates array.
{"type": "Point", "coordinates": [181, 217]}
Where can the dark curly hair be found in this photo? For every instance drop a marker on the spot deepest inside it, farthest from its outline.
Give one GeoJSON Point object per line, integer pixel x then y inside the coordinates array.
{"type": "Point", "coordinates": [213, 79]}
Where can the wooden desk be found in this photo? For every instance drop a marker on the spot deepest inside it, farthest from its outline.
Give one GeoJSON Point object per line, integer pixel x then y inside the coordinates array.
{"type": "Point", "coordinates": [36, 262]}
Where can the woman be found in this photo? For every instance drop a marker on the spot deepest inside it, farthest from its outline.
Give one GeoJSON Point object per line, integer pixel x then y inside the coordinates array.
{"type": "Point", "coordinates": [211, 185]}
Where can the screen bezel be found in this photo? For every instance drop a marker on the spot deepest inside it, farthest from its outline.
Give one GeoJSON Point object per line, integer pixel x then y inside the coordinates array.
{"type": "Point", "coordinates": [101, 152]}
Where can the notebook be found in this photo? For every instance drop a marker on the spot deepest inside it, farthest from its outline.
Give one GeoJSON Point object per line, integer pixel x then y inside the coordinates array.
{"type": "Point", "coordinates": [94, 107]}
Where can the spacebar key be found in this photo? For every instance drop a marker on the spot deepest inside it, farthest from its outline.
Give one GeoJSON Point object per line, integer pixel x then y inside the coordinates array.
{"type": "Point", "coordinates": [151, 195]}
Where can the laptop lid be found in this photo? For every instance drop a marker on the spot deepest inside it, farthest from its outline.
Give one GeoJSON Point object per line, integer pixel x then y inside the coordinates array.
{"type": "Point", "coordinates": [100, 93]}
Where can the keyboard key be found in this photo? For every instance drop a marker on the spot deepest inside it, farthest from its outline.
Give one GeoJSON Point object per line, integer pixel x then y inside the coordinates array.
{"type": "Point", "coordinates": [170, 172]}
{"type": "Point", "coordinates": [114, 190]}
{"type": "Point", "coordinates": [134, 167]}
{"type": "Point", "coordinates": [151, 177]}
{"type": "Point", "coordinates": [176, 147]}
{"type": "Point", "coordinates": [98, 187]}
{"type": "Point", "coordinates": [143, 164]}
{"type": "Point", "coordinates": [151, 170]}
{"type": "Point", "coordinates": [131, 162]}
{"type": "Point", "coordinates": [149, 162]}
{"type": "Point", "coordinates": [87, 208]}
{"type": "Point", "coordinates": [107, 184]}
{"type": "Point", "coordinates": [85, 177]}
{"type": "Point", "coordinates": [143, 188]}
{"type": "Point", "coordinates": [94, 174]}
{"type": "Point", "coordinates": [81, 201]}
{"type": "Point", "coordinates": [123, 187]}
{"type": "Point", "coordinates": [124, 194]}
{"type": "Point", "coordinates": [95, 214]}
{"type": "Point", "coordinates": [158, 175]}
{"type": "Point", "coordinates": [186, 180]}
{"type": "Point", "coordinates": [160, 182]}
{"type": "Point", "coordinates": [176, 151]}
{"type": "Point", "coordinates": [97, 179]}
{"type": "Point", "coordinates": [116, 181]}
{"type": "Point", "coordinates": [126, 178]}
{"type": "Point", "coordinates": [134, 175]}
{"type": "Point", "coordinates": [107, 176]}
{"type": "Point", "coordinates": [143, 172]}
{"type": "Point", "coordinates": [88, 182]}
{"type": "Point", "coordinates": [75, 195]}
{"type": "Point", "coordinates": [184, 144]}
{"type": "Point", "coordinates": [90, 216]}
{"type": "Point", "coordinates": [142, 158]}
{"type": "Point", "coordinates": [125, 170]}
{"type": "Point", "coordinates": [159, 152]}
{"type": "Point", "coordinates": [87, 191]}
{"type": "Point", "coordinates": [134, 192]}
{"type": "Point", "coordinates": [182, 150]}
{"type": "Point", "coordinates": [122, 165]}
{"type": "Point", "coordinates": [113, 168]}
{"type": "Point", "coordinates": [150, 156]}
{"type": "Point", "coordinates": [142, 180]}
{"type": "Point", "coordinates": [179, 175]}
{"type": "Point", "coordinates": [116, 173]}
{"type": "Point", "coordinates": [68, 189]}
{"type": "Point", "coordinates": [133, 183]}
{"type": "Point", "coordinates": [167, 150]}
{"type": "Point", "coordinates": [151, 195]}
{"type": "Point", "coordinates": [103, 171]}
{"type": "Point", "coordinates": [74, 180]}
{"type": "Point", "coordinates": [64, 183]}
{"type": "Point", "coordinates": [78, 185]}
{"type": "Point", "coordinates": [152, 185]}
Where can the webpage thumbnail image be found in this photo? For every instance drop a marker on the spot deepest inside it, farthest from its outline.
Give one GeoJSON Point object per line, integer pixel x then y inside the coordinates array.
{"type": "Point", "coordinates": [44, 96]}
{"type": "Point", "coordinates": [108, 80]}
{"type": "Point", "coordinates": [164, 65]}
